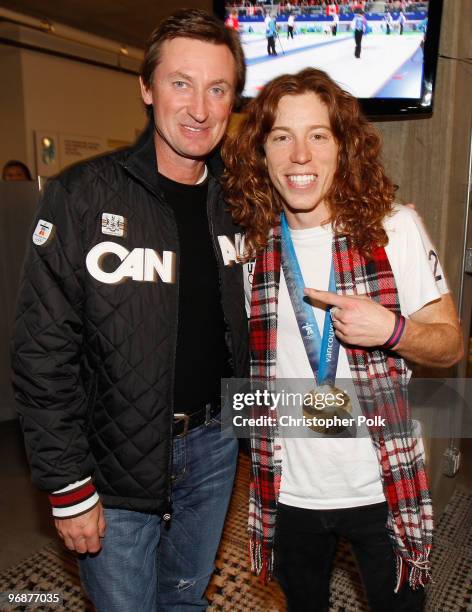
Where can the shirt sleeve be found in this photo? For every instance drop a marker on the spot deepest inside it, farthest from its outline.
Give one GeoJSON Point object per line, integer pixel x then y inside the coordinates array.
{"type": "Point", "coordinates": [415, 264]}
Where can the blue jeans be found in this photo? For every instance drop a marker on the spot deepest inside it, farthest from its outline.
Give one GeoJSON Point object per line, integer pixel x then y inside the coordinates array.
{"type": "Point", "coordinates": [143, 565]}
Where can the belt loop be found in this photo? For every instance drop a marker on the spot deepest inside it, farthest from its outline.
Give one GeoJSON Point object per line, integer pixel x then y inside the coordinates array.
{"type": "Point", "coordinates": [180, 416]}
{"type": "Point", "coordinates": [207, 414]}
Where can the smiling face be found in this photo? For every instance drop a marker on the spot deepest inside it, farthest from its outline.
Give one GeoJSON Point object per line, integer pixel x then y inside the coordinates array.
{"type": "Point", "coordinates": [192, 93]}
{"type": "Point", "coordinates": [302, 156]}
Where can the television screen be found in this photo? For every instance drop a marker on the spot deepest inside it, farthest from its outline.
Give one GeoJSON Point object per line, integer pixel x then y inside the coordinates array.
{"type": "Point", "coordinates": [384, 53]}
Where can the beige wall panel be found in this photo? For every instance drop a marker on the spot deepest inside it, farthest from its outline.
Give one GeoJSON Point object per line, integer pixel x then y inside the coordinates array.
{"type": "Point", "coordinates": [73, 98]}
{"type": "Point", "coordinates": [428, 158]}
{"type": "Point", "coordinates": [12, 128]}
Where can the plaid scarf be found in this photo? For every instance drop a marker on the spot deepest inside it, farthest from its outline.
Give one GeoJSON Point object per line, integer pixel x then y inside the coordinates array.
{"type": "Point", "coordinates": [380, 379]}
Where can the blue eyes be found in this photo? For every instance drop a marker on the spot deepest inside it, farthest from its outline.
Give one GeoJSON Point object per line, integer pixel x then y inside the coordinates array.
{"type": "Point", "coordinates": [215, 91]}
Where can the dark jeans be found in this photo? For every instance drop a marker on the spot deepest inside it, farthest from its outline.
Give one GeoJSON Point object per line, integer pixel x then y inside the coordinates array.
{"type": "Point", "coordinates": [271, 45]}
{"type": "Point", "coordinates": [305, 546]}
{"type": "Point", "coordinates": [358, 34]}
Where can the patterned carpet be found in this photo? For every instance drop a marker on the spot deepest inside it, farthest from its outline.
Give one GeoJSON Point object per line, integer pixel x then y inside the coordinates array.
{"type": "Point", "coordinates": [234, 589]}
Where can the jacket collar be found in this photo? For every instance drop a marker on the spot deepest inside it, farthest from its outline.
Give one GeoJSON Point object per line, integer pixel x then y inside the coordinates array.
{"type": "Point", "coordinates": [141, 160]}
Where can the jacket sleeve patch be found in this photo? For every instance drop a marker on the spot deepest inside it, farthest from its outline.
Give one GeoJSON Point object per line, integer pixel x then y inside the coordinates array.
{"type": "Point", "coordinates": [113, 225]}
{"type": "Point", "coordinates": [43, 233]}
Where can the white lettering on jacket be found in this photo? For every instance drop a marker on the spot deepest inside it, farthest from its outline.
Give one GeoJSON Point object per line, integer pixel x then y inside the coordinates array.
{"type": "Point", "coordinates": [139, 264]}
{"type": "Point", "coordinates": [231, 251]}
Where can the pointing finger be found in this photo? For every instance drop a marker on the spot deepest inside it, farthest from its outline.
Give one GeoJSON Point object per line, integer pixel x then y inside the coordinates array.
{"type": "Point", "coordinates": [327, 297]}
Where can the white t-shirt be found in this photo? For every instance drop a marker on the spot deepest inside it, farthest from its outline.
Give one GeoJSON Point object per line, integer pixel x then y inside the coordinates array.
{"type": "Point", "coordinates": [321, 473]}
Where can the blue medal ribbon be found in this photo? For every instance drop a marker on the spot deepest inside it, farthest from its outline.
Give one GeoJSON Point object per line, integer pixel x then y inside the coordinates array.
{"type": "Point", "coordinates": [322, 351]}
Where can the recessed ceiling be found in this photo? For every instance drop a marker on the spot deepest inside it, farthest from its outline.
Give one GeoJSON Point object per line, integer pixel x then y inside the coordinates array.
{"type": "Point", "coordinates": [127, 21]}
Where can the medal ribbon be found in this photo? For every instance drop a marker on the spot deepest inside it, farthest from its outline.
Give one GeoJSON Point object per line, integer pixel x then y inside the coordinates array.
{"type": "Point", "coordinates": [322, 351]}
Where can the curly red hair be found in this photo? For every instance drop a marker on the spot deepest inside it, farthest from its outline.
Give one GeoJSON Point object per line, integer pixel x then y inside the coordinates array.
{"type": "Point", "coordinates": [360, 196]}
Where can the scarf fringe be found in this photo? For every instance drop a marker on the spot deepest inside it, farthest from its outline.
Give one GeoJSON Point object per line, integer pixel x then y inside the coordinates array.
{"type": "Point", "coordinates": [260, 564]}
{"type": "Point", "coordinates": [416, 569]}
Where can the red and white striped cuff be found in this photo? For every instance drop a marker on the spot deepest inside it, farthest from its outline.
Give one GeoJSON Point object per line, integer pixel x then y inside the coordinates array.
{"type": "Point", "coordinates": [73, 500]}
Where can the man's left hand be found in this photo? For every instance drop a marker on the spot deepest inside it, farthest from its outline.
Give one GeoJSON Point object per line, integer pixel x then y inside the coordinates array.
{"type": "Point", "coordinates": [357, 319]}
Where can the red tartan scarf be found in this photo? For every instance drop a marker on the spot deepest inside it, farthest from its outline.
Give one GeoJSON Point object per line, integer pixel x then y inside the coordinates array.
{"type": "Point", "coordinates": [380, 380]}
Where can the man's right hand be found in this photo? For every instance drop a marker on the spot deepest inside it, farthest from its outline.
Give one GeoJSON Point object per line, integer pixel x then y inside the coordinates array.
{"type": "Point", "coordinates": [82, 533]}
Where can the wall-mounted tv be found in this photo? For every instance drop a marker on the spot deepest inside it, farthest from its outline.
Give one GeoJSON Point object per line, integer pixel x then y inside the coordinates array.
{"type": "Point", "coordinates": [384, 53]}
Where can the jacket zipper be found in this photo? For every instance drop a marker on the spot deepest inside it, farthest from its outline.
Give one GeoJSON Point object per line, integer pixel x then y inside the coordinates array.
{"type": "Point", "coordinates": [218, 266]}
{"type": "Point", "coordinates": [167, 513]}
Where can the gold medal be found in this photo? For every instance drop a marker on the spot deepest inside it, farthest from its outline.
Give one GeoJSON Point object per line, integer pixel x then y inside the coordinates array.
{"type": "Point", "coordinates": [327, 408]}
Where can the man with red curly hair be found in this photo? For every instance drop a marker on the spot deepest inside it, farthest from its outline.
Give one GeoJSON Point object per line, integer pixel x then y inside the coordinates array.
{"type": "Point", "coordinates": [305, 181]}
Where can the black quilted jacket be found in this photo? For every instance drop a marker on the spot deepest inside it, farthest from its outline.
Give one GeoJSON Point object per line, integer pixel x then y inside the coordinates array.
{"type": "Point", "coordinates": [95, 340]}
